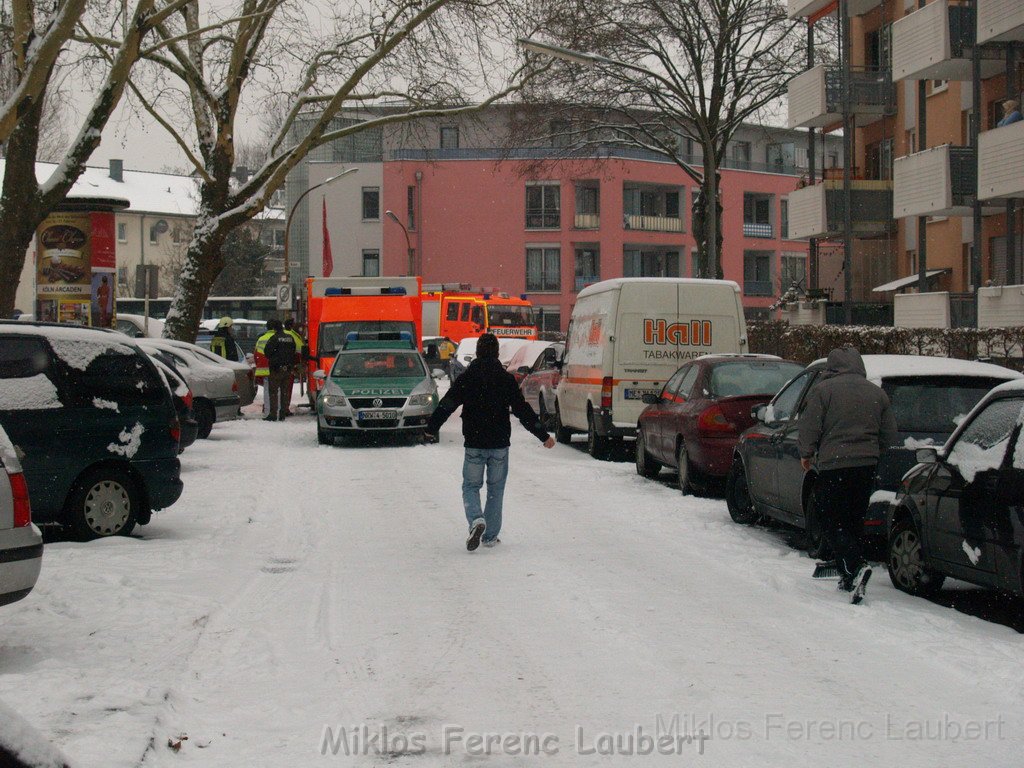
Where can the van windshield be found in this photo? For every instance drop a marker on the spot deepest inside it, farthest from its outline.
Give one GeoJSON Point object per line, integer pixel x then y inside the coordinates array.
{"type": "Point", "coordinates": [332, 335]}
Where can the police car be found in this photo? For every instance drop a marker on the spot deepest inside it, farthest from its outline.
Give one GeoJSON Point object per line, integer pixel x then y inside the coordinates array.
{"type": "Point", "coordinates": [378, 383]}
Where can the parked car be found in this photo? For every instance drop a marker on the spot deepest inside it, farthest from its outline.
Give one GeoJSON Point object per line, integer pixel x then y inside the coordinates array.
{"type": "Point", "coordinates": [246, 332]}
{"type": "Point", "coordinates": [214, 387]}
{"type": "Point", "coordinates": [93, 424]}
{"type": "Point", "coordinates": [539, 385]}
{"type": "Point", "coordinates": [244, 370]}
{"type": "Point", "coordinates": [693, 425]}
{"type": "Point", "coordinates": [21, 545]}
{"type": "Point", "coordinates": [930, 396]}
{"type": "Point", "coordinates": [182, 397]}
{"type": "Point", "coordinates": [466, 352]}
{"type": "Point", "coordinates": [139, 326]}
{"type": "Point", "coordinates": [533, 355]}
{"type": "Point", "coordinates": [959, 512]}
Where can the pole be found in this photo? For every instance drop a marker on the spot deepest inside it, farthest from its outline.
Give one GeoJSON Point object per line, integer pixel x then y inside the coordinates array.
{"type": "Point", "coordinates": [409, 252]}
{"type": "Point", "coordinates": [844, 27]}
{"type": "Point", "coordinates": [1011, 204]}
{"type": "Point", "coordinates": [975, 128]}
{"type": "Point", "coordinates": [922, 144]}
{"type": "Point", "coordinates": [812, 245]}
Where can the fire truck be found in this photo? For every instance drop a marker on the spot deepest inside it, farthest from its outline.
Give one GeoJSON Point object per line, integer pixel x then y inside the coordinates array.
{"type": "Point", "coordinates": [338, 306]}
{"type": "Point", "coordinates": [458, 314]}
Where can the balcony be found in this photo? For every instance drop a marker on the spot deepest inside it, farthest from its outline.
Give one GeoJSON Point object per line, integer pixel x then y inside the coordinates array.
{"type": "Point", "coordinates": [817, 211]}
{"type": "Point", "coordinates": [1000, 160]}
{"type": "Point", "coordinates": [941, 181]}
{"type": "Point", "coordinates": [652, 223]}
{"type": "Point", "coordinates": [1000, 21]}
{"type": "Point", "coordinates": [750, 229]}
{"type": "Point", "coordinates": [800, 8]}
{"type": "Point", "coordinates": [587, 221]}
{"type": "Point", "coordinates": [934, 43]}
{"type": "Point", "coordinates": [816, 96]}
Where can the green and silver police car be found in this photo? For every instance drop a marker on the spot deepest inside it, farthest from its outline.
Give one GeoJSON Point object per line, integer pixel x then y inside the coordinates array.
{"type": "Point", "coordinates": [379, 383]}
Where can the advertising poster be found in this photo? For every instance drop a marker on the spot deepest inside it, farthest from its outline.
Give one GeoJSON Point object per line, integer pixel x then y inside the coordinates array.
{"type": "Point", "coordinates": [104, 269]}
{"type": "Point", "coordinates": [73, 311]}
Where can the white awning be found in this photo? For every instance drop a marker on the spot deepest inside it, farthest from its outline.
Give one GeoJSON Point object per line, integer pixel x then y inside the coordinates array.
{"type": "Point", "coordinates": [906, 282]}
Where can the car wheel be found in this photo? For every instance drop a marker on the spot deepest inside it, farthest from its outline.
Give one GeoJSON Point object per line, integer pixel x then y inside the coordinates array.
{"type": "Point", "coordinates": [542, 413]}
{"type": "Point", "coordinates": [645, 465]}
{"type": "Point", "coordinates": [684, 471]}
{"type": "Point", "coordinates": [204, 416]}
{"type": "Point", "coordinates": [814, 531]}
{"type": "Point", "coordinates": [906, 563]}
{"type": "Point", "coordinates": [562, 433]}
{"type": "Point", "coordinates": [737, 495]}
{"type": "Point", "coordinates": [104, 502]}
{"type": "Point", "coordinates": [598, 446]}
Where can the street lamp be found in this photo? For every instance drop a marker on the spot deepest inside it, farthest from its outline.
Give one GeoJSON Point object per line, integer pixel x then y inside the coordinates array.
{"type": "Point", "coordinates": [285, 278]}
{"type": "Point", "coordinates": [408, 245]}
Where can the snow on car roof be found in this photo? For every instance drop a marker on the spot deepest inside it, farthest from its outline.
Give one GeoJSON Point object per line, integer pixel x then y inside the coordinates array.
{"type": "Point", "coordinates": [76, 345]}
{"type": "Point", "coordinates": [885, 366]}
{"type": "Point", "coordinates": [1009, 386]}
{"type": "Point", "coordinates": [618, 282]}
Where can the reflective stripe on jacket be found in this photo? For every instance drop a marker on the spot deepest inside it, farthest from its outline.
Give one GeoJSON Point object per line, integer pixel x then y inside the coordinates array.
{"type": "Point", "coordinates": [260, 355]}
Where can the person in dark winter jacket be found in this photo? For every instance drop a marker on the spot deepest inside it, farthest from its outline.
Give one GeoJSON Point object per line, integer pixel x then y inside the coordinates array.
{"type": "Point", "coordinates": [486, 392]}
{"type": "Point", "coordinates": [846, 424]}
{"type": "Point", "coordinates": [282, 357]}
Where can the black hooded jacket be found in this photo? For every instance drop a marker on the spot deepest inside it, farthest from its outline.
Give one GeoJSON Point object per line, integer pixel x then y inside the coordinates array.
{"type": "Point", "coordinates": [486, 392]}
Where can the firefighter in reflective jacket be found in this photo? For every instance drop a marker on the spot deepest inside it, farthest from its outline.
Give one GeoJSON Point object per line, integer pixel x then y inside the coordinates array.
{"type": "Point", "coordinates": [262, 365]}
{"type": "Point", "coordinates": [223, 343]}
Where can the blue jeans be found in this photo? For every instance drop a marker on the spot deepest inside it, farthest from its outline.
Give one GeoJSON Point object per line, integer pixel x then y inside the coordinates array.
{"type": "Point", "coordinates": [495, 460]}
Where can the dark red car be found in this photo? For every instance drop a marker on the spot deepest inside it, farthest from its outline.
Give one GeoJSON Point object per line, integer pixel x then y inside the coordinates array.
{"type": "Point", "coordinates": [693, 425]}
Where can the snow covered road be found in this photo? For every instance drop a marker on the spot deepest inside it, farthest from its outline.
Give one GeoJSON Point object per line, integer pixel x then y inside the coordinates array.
{"type": "Point", "coordinates": [297, 593]}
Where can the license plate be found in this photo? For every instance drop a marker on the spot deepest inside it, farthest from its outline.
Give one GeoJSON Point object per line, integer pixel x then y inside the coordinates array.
{"type": "Point", "coordinates": [377, 415]}
{"type": "Point", "coordinates": [638, 394]}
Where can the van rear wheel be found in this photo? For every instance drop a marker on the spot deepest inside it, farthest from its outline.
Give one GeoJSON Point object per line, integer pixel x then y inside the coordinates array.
{"type": "Point", "coordinates": [562, 433]}
{"type": "Point", "coordinates": [598, 446]}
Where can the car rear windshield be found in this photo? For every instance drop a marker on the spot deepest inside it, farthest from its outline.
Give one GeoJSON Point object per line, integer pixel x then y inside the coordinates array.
{"type": "Point", "coordinates": [332, 335]}
{"type": "Point", "coordinates": [751, 377]}
{"type": "Point", "coordinates": [378, 365]}
{"type": "Point", "coordinates": [509, 315]}
{"type": "Point", "coordinates": [935, 404]}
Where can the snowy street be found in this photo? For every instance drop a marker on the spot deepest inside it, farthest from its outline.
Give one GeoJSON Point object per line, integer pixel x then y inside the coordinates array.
{"type": "Point", "coordinates": [298, 592]}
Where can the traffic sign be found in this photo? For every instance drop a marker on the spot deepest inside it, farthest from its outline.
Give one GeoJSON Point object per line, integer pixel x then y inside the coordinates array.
{"type": "Point", "coordinates": [284, 296]}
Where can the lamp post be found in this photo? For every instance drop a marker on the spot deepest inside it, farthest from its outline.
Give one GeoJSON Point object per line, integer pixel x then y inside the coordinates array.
{"type": "Point", "coordinates": [408, 245]}
{"type": "Point", "coordinates": [286, 277]}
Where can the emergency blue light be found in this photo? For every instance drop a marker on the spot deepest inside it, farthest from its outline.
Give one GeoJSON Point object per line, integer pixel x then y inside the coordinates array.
{"type": "Point", "coordinates": [522, 296]}
{"type": "Point", "coordinates": [487, 296]}
{"type": "Point", "coordinates": [352, 336]}
{"type": "Point", "coordinates": [338, 292]}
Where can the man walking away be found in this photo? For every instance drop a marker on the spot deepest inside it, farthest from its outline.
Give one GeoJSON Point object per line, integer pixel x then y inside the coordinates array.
{"type": "Point", "coordinates": [845, 426]}
{"type": "Point", "coordinates": [281, 353]}
{"type": "Point", "coordinates": [223, 343]}
{"type": "Point", "coordinates": [486, 392]}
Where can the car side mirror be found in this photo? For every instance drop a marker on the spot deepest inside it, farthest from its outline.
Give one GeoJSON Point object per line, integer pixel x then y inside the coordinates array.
{"type": "Point", "coordinates": [926, 455]}
{"type": "Point", "coordinates": [649, 398]}
{"type": "Point", "coordinates": [759, 413]}
{"type": "Point", "coordinates": [319, 375]}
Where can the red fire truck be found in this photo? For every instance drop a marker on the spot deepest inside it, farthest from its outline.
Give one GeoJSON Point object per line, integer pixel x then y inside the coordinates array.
{"type": "Point", "coordinates": [458, 314]}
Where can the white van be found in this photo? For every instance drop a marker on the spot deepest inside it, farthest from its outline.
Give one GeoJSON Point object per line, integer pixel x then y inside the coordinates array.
{"type": "Point", "coordinates": [627, 337]}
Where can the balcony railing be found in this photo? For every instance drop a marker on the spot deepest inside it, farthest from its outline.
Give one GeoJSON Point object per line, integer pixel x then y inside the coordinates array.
{"type": "Point", "coordinates": [941, 181]}
{"type": "Point", "coordinates": [801, 8]}
{"type": "Point", "coordinates": [1000, 21]}
{"type": "Point", "coordinates": [1000, 159]}
{"type": "Point", "coordinates": [817, 211]}
{"type": "Point", "coordinates": [934, 43]}
{"type": "Point", "coordinates": [751, 229]}
{"type": "Point", "coordinates": [816, 96]}
{"type": "Point", "coordinates": [583, 282]}
{"type": "Point", "coordinates": [587, 221]}
{"type": "Point", "coordinates": [758, 288]}
{"type": "Point", "coordinates": [652, 223]}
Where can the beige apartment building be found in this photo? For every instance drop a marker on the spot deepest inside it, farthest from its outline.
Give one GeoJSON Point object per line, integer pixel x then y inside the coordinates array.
{"type": "Point", "coordinates": [921, 85]}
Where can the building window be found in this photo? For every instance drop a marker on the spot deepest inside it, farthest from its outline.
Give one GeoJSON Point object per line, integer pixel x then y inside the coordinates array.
{"type": "Point", "coordinates": [781, 158]}
{"type": "Point", "coordinates": [560, 133]}
{"type": "Point", "coordinates": [543, 205]}
{"type": "Point", "coordinates": [757, 215]}
{"type": "Point", "coordinates": [652, 208]}
{"type": "Point", "coordinates": [549, 319]}
{"type": "Point", "coordinates": [833, 160]}
{"type": "Point", "coordinates": [878, 157]}
{"type": "Point", "coordinates": [279, 237]}
{"type": "Point", "coordinates": [879, 47]}
{"type": "Point", "coordinates": [543, 269]}
{"type": "Point", "coordinates": [371, 263]}
{"type": "Point", "coordinates": [154, 234]}
{"type": "Point", "coordinates": [410, 206]}
{"type": "Point", "coordinates": [794, 270]}
{"type": "Point", "coordinates": [695, 270]}
{"type": "Point", "coordinates": [177, 235]}
{"type": "Point", "coordinates": [588, 266]}
{"type": "Point", "coordinates": [650, 263]}
{"type": "Point", "coordinates": [757, 273]}
{"type": "Point", "coordinates": [371, 203]}
{"type": "Point", "coordinates": [937, 86]}
{"type": "Point", "coordinates": [449, 137]}
{"type": "Point", "coordinates": [122, 233]}
{"type": "Point", "coordinates": [588, 206]}
{"type": "Point", "coordinates": [741, 153]}
{"type": "Point", "coordinates": [784, 218]}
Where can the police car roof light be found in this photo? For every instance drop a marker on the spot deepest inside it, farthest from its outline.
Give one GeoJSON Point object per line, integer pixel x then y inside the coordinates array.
{"type": "Point", "coordinates": [394, 290]}
{"type": "Point", "coordinates": [338, 292]}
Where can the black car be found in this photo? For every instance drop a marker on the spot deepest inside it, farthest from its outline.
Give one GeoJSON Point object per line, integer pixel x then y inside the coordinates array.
{"type": "Point", "coordinates": [94, 426]}
{"type": "Point", "coordinates": [960, 512]}
{"type": "Point", "coordinates": [929, 397]}
{"type": "Point", "coordinates": [182, 397]}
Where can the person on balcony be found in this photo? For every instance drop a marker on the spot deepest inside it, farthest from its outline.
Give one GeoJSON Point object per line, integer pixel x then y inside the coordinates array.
{"type": "Point", "coordinates": [1011, 113]}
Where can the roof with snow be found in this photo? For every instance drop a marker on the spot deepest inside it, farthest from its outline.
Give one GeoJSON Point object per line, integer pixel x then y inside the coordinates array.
{"type": "Point", "coordinates": [885, 366]}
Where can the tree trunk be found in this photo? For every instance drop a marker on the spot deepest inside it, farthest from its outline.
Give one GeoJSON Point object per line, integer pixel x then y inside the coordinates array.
{"type": "Point", "coordinates": [203, 262]}
{"type": "Point", "coordinates": [713, 214]}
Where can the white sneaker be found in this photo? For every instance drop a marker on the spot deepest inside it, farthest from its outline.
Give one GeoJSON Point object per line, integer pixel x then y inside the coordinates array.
{"type": "Point", "coordinates": [490, 543]}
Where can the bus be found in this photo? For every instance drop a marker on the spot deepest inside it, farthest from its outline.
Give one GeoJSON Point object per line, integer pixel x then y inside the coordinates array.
{"type": "Point", "coordinates": [248, 307]}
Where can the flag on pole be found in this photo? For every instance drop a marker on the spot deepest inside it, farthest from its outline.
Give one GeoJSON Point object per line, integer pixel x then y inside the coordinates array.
{"type": "Point", "coordinates": [328, 258]}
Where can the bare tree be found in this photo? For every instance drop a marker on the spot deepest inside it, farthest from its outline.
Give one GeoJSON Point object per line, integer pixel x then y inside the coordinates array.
{"type": "Point", "coordinates": [384, 62]}
{"type": "Point", "coordinates": [666, 71]}
{"type": "Point", "coordinates": [39, 36]}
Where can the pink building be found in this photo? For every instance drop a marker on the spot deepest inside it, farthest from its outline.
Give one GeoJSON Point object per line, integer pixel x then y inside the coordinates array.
{"type": "Point", "coordinates": [548, 229]}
